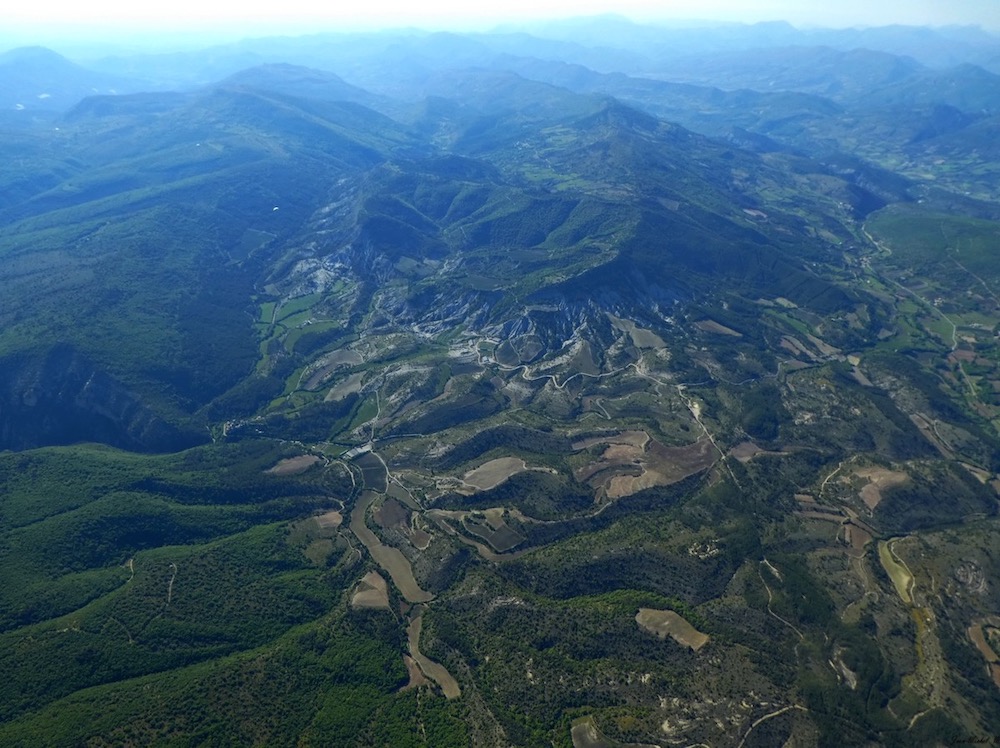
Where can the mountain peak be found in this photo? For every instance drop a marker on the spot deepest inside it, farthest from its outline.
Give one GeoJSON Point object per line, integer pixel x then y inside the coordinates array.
{"type": "Point", "coordinates": [34, 56]}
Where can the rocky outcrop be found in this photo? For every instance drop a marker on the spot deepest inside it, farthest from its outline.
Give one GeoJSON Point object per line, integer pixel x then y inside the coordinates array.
{"type": "Point", "coordinates": [59, 397]}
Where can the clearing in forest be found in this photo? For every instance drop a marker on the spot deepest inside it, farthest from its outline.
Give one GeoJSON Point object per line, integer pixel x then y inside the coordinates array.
{"type": "Point", "coordinates": [293, 465]}
{"type": "Point", "coordinates": [433, 670]}
{"type": "Point", "coordinates": [879, 479]}
{"type": "Point", "coordinates": [319, 372]}
{"type": "Point", "coordinates": [417, 678]}
{"type": "Point", "coordinates": [372, 592]}
{"type": "Point", "coordinates": [630, 464]}
{"type": "Point", "coordinates": [901, 578]}
{"type": "Point", "coordinates": [330, 520]}
{"type": "Point", "coordinates": [491, 474]}
{"type": "Point", "coordinates": [710, 325]}
{"type": "Point", "coordinates": [977, 634]}
{"type": "Point", "coordinates": [666, 623]}
{"type": "Point", "coordinates": [641, 338]}
{"type": "Point", "coordinates": [349, 386]}
{"type": "Point", "coordinates": [586, 734]}
{"type": "Point", "coordinates": [491, 527]}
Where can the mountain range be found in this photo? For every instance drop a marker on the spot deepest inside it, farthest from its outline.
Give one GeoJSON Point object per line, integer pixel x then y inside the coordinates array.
{"type": "Point", "coordinates": [590, 384]}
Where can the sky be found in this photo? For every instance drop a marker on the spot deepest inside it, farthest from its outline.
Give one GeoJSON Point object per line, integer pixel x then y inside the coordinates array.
{"type": "Point", "coordinates": [238, 17]}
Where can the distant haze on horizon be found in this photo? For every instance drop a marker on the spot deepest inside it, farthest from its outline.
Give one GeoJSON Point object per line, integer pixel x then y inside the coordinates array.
{"type": "Point", "coordinates": [117, 20]}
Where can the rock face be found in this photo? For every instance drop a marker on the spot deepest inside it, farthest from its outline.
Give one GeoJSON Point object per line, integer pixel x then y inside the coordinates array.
{"type": "Point", "coordinates": [60, 398]}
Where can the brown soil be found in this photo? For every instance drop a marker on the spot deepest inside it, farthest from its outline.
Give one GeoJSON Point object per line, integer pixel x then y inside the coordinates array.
{"type": "Point", "coordinates": [392, 514]}
{"type": "Point", "coordinates": [372, 592]}
{"type": "Point", "coordinates": [433, 670]}
{"type": "Point", "coordinates": [710, 325]}
{"type": "Point", "coordinates": [822, 516]}
{"type": "Point", "coordinates": [329, 364]}
{"type": "Point", "coordinates": [420, 538]}
{"type": "Point", "coordinates": [856, 537]}
{"type": "Point", "coordinates": [417, 678]}
{"type": "Point", "coordinates": [330, 521]}
{"type": "Point", "coordinates": [658, 465]}
{"type": "Point", "coordinates": [293, 465]}
{"type": "Point", "coordinates": [493, 473]}
{"type": "Point", "coordinates": [879, 479]}
{"type": "Point", "coordinates": [635, 438]}
{"type": "Point", "coordinates": [745, 451]}
{"type": "Point", "coordinates": [348, 387]}
{"type": "Point", "coordinates": [389, 558]}
{"type": "Point", "coordinates": [666, 623]}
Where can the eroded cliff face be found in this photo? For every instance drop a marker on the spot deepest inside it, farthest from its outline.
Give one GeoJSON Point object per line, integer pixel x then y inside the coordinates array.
{"type": "Point", "coordinates": [60, 397]}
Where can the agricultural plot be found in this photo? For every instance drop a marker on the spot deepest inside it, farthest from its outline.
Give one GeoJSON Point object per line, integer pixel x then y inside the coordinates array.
{"type": "Point", "coordinates": [373, 471]}
{"type": "Point", "coordinates": [631, 463]}
{"type": "Point", "coordinates": [491, 527]}
{"type": "Point", "coordinates": [389, 558]}
{"type": "Point", "coordinates": [371, 592]}
{"type": "Point", "coordinates": [878, 480]}
{"type": "Point", "coordinates": [746, 451]}
{"type": "Point", "coordinates": [586, 734]}
{"type": "Point", "coordinates": [293, 465]}
{"type": "Point", "coordinates": [985, 634]}
{"type": "Point", "coordinates": [330, 520]}
{"type": "Point", "coordinates": [318, 373]}
{"type": "Point", "coordinates": [349, 386]}
{"type": "Point", "coordinates": [640, 337]}
{"type": "Point", "coordinates": [433, 670]}
{"type": "Point", "coordinates": [491, 474]}
{"type": "Point", "coordinates": [901, 577]}
{"type": "Point", "coordinates": [664, 623]}
{"type": "Point", "coordinates": [710, 325]}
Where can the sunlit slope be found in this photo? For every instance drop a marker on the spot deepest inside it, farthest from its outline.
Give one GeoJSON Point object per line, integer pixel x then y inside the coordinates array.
{"type": "Point", "coordinates": [142, 258]}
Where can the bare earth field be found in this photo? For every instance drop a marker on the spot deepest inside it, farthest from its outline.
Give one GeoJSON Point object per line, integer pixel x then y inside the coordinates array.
{"type": "Point", "coordinates": [641, 338]}
{"type": "Point", "coordinates": [710, 325]}
{"type": "Point", "coordinates": [664, 466]}
{"type": "Point", "coordinates": [666, 623]}
{"type": "Point", "coordinates": [331, 520]}
{"type": "Point", "coordinates": [586, 734]}
{"type": "Point", "coordinates": [633, 462]}
{"type": "Point", "coordinates": [348, 387]}
{"type": "Point", "coordinates": [901, 578]}
{"type": "Point", "coordinates": [879, 479]}
{"type": "Point", "coordinates": [493, 530]}
{"type": "Point", "coordinates": [634, 438]}
{"type": "Point", "coordinates": [372, 592]}
{"type": "Point", "coordinates": [856, 537]}
{"type": "Point", "coordinates": [433, 670]}
{"type": "Point", "coordinates": [417, 678]}
{"type": "Point", "coordinates": [493, 473]}
{"type": "Point", "coordinates": [293, 465]}
{"type": "Point", "coordinates": [328, 364]}
{"type": "Point", "coordinates": [976, 634]}
{"type": "Point", "coordinates": [390, 559]}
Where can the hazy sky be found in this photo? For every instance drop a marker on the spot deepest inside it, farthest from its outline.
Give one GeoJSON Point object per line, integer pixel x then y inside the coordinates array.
{"type": "Point", "coordinates": [86, 16]}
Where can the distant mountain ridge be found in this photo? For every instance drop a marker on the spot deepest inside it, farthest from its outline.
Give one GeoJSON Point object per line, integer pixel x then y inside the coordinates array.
{"type": "Point", "coordinates": [36, 78]}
